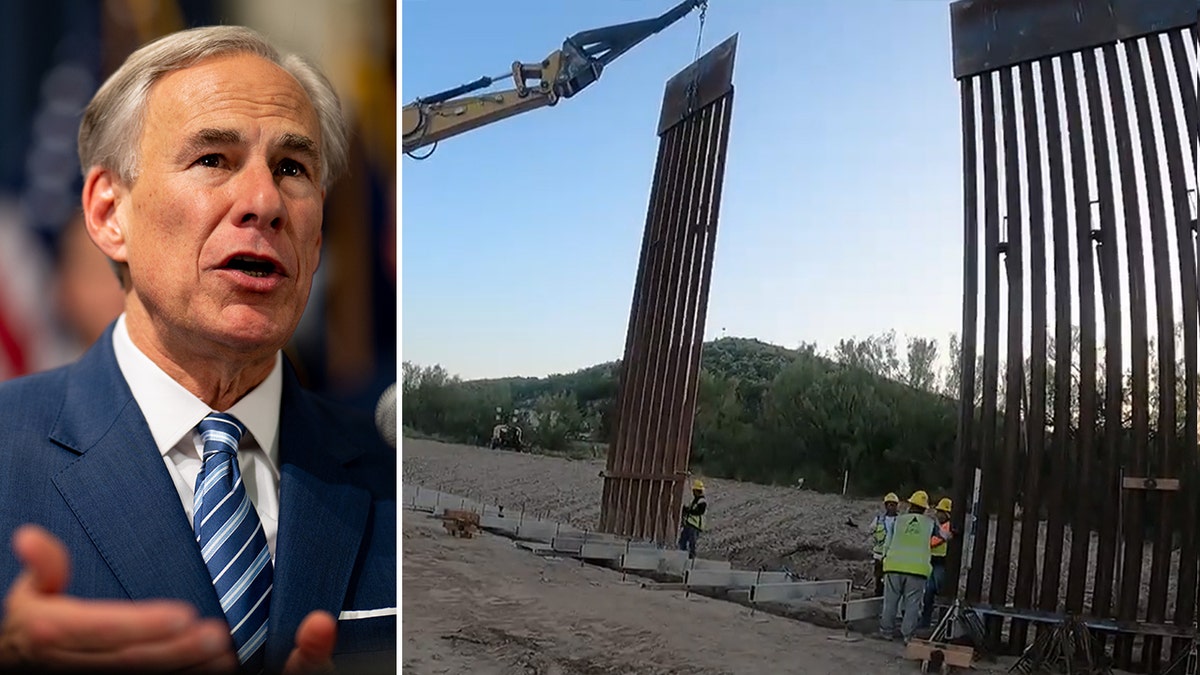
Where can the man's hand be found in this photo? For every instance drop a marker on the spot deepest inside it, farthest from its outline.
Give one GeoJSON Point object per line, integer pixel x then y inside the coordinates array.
{"type": "Point", "coordinates": [43, 628]}
{"type": "Point", "coordinates": [315, 639]}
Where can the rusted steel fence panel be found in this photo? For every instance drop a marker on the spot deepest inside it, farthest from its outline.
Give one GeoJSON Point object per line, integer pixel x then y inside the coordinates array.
{"type": "Point", "coordinates": [1133, 502]}
{"type": "Point", "coordinates": [1061, 234]}
{"type": "Point", "coordinates": [991, 339]}
{"type": "Point", "coordinates": [662, 330]}
{"type": "Point", "coordinates": [1180, 122]}
{"type": "Point", "coordinates": [1109, 262]}
{"type": "Point", "coordinates": [1012, 250]}
{"type": "Point", "coordinates": [964, 460]}
{"type": "Point", "coordinates": [1034, 434]}
{"type": "Point", "coordinates": [717, 117]}
{"type": "Point", "coordinates": [630, 428]}
{"type": "Point", "coordinates": [1084, 227]}
{"type": "Point", "coordinates": [671, 331]}
{"type": "Point", "coordinates": [1160, 461]}
{"type": "Point", "coordinates": [648, 459]}
{"type": "Point", "coordinates": [1088, 154]}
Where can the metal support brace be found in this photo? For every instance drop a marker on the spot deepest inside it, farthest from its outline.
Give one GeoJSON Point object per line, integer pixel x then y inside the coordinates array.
{"type": "Point", "coordinates": [960, 620]}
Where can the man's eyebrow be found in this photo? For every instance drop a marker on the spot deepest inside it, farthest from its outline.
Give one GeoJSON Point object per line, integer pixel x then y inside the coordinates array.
{"type": "Point", "coordinates": [207, 138]}
{"type": "Point", "coordinates": [210, 137]}
{"type": "Point", "coordinates": [300, 144]}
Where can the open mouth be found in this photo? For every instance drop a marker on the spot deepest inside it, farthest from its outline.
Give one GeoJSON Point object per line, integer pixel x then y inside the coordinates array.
{"type": "Point", "coordinates": [253, 266]}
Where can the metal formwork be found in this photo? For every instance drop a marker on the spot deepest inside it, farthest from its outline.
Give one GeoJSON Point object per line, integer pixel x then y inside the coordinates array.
{"type": "Point", "coordinates": [1079, 122]}
{"type": "Point", "coordinates": [648, 460]}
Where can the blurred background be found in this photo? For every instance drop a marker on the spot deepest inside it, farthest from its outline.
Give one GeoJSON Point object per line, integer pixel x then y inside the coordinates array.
{"type": "Point", "coordinates": [57, 293]}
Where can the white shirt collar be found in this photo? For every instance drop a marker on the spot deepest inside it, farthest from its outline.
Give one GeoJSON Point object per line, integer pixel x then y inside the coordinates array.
{"type": "Point", "coordinates": [172, 412]}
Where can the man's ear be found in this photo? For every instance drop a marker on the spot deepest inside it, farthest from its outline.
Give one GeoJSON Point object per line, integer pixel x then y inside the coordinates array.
{"type": "Point", "coordinates": [102, 192]}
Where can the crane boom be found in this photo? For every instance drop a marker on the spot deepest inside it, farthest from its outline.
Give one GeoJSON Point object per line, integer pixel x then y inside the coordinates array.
{"type": "Point", "coordinates": [562, 74]}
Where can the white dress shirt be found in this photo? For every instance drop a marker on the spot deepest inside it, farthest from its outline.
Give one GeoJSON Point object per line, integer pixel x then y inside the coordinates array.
{"type": "Point", "coordinates": [173, 412]}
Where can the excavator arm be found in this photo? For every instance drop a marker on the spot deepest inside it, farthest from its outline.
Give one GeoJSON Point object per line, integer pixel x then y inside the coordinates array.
{"type": "Point", "coordinates": [562, 74]}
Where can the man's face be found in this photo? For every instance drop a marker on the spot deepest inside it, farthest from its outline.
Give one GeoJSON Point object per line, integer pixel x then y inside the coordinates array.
{"type": "Point", "coordinates": [222, 227]}
{"type": "Point", "coordinates": [890, 508]}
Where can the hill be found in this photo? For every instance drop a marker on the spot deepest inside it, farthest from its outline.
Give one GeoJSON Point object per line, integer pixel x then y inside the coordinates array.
{"type": "Point", "coordinates": [764, 413]}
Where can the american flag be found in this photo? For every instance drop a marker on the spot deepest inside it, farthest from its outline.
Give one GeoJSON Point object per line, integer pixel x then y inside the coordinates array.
{"type": "Point", "coordinates": [29, 339]}
{"type": "Point", "coordinates": [45, 91]}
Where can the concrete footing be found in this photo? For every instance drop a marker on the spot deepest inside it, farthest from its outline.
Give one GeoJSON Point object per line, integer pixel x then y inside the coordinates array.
{"type": "Point", "coordinates": [604, 547]}
{"type": "Point", "coordinates": [792, 591]}
{"type": "Point", "coordinates": [730, 578]}
{"type": "Point", "coordinates": [857, 610]}
{"type": "Point", "coordinates": [547, 537]}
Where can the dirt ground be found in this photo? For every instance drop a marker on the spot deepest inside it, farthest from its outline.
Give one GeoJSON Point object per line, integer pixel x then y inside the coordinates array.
{"type": "Point", "coordinates": [484, 606]}
{"type": "Point", "coordinates": [815, 535]}
{"type": "Point", "coordinates": [750, 525]}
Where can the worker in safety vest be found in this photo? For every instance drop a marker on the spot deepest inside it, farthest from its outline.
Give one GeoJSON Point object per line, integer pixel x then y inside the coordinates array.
{"type": "Point", "coordinates": [906, 568]}
{"type": "Point", "coordinates": [693, 519]}
{"type": "Point", "coordinates": [880, 528]}
{"type": "Point", "coordinates": [938, 544]}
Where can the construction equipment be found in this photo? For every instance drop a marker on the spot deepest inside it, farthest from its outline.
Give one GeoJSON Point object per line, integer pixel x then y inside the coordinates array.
{"type": "Point", "coordinates": [507, 436]}
{"type": "Point", "coordinates": [562, 74]}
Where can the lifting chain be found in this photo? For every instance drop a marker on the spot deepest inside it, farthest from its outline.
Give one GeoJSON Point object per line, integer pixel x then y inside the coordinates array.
{"type": "Point", "coordinates": [694, 85]}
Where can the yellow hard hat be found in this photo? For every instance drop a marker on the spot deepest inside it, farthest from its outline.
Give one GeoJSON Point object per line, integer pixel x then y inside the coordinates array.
{"type": "Point", "coordinates": [891, 498]}
{"type": "Point", "coordinates": [919, 498]}
{"type": "Point", "coordinates": [697, 484]}
{"type": "Point", "coordinates": [944, 505]}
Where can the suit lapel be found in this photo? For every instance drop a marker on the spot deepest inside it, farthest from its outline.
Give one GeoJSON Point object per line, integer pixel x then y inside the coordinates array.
{"type": "Point", "coordinates": [124, 498]}
{"type": "Point", "coordinates": [121, 492]}
{"type": "Point", "coordinates": [321, 522]}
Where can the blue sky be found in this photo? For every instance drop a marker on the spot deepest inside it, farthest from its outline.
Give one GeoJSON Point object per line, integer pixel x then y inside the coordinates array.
{"type": "Point", "coordinates": [841, 214]}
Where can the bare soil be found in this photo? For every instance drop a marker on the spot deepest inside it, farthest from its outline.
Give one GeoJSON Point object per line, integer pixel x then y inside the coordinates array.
{"type": "Point", "coordinates": [815, 535]}
{"type": "Point", "coordinates": [753, 526]}
{"type": "Point", "coordinates": [481, 605]}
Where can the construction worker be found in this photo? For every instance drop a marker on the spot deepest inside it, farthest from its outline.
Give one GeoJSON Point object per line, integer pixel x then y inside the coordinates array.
{"type": "Point", "coordinates": [906, 568]}
{"type": "Point", "coordinates": [938, 544]}
{"type": "Point", "coordinates": [880, 528]}
{"type": "Point", "coordinates": [693, 519]}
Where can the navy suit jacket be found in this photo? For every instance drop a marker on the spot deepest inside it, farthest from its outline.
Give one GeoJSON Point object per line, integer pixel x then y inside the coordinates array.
{"type": "Point", "coordinates": [77, 458]}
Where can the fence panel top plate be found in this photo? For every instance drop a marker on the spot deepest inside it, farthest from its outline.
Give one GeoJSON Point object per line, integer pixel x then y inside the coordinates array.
{"type": "Point", "coordinates": [991, 34]}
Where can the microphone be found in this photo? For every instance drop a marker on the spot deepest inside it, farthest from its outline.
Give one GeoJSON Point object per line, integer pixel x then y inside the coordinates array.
{"type": "Point", "coordinates": [385, 415]}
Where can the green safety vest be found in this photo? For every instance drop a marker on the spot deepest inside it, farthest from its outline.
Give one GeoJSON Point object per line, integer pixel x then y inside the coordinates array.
{"type": "Point", "coordinates": [880, 534]}
{"type": "Point", "coordinates": [693, 519]}
{"type": "Point", "coordinates": [908, 551]}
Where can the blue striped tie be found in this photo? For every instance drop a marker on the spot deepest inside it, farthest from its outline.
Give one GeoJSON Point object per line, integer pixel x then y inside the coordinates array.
{"type": "Point", "coordinates": [231, 539]}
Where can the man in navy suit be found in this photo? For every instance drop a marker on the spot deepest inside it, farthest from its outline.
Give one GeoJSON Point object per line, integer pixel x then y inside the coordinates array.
{"type": "Point", "coordinates": [206, 160]}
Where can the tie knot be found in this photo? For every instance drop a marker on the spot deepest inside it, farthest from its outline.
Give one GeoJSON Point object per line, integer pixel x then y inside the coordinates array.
{"type": "Point", "coordinates": [220, 432]}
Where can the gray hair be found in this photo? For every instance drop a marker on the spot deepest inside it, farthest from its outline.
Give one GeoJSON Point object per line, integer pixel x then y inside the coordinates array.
{"type": "Point", "coordinates": [112, 122]}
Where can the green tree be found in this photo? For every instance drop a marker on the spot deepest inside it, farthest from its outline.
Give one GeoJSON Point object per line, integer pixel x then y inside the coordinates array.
{"type": "Point", "coordinates": [921, 370]}
{"type": "Point", "coordinates": [555, 420]}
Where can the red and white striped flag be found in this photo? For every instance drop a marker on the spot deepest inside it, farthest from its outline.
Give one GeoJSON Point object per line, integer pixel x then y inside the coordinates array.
{"type": "Point", "coordinates": [29, 341]}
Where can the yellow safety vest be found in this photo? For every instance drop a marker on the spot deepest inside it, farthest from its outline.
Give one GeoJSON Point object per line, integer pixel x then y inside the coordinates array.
{"type": "Point", "coordinates": [694, 519]}
{"type": "Point", "coordinates": [939, 551]}
{"type": "Point", "coordinates": [908, 551]}
{"type": "Point", "coordinates": [880, 534]}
